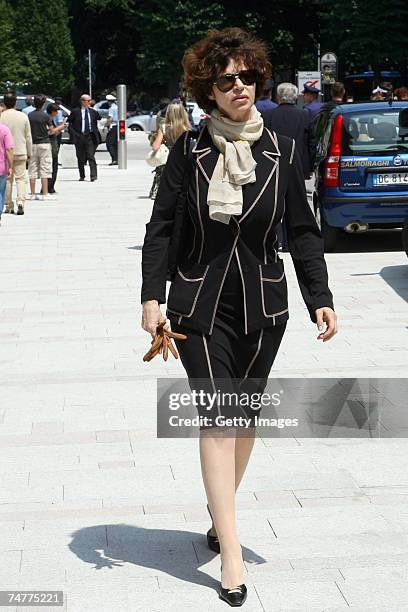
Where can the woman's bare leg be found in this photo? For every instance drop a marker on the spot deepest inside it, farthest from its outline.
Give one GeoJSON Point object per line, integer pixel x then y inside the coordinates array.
{"type": "Point", "coordinates": [243, 449]}
{"type": "Point", "coordinates": [217, 455]}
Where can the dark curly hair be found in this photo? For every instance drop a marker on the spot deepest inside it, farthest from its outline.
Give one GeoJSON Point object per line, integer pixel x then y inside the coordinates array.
{"type": "Point", "coordinates": [208, 57]}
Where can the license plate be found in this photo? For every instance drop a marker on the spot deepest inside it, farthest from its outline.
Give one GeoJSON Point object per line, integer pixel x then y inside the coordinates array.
{"type": "Point", "coordinates": [391, 178]}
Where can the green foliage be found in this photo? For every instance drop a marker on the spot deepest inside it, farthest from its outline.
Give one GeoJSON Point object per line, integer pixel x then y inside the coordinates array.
{"type": "Point", "coordinates": [366, 32]}
{"type": "Point", "coordinates": [141, 42]}
{"type": "Point", "coordinates": [10, 62]}
{"type": "Point", "coordinates": [166, 28]}
{"type": "Point", "coordinates": [38, 45]}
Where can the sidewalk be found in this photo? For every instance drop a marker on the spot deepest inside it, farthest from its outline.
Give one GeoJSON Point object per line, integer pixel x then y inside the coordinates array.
{"type": "Point", "coordinates": [92, 503]}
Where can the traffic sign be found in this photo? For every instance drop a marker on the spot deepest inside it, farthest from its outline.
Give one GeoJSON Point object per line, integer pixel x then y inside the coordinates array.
{"type": "Point", "coordinates": [311, 78]}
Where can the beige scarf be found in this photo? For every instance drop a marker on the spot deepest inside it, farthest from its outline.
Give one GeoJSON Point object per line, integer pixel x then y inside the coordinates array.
{"type": "Point", "coordinates": [235, 165]}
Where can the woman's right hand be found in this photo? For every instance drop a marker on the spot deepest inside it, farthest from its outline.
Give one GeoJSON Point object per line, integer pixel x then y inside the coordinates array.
{"type": "Point", "coordinates": [151, 316]}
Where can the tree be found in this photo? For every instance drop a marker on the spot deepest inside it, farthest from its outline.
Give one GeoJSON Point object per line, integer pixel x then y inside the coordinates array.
{"type": "Point", "coordinates": [104, 28]}
{"type": "Point", "coordinates": [46, 53]}
{"type": "Point", "coordinates": [166, 29]}
{"type": "Point", "coordinates": [10, 64]}
{"type": "Point", "coordinates": [357, 32]}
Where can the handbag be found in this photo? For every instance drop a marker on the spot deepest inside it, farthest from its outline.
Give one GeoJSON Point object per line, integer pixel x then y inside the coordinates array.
{"type": "Point", "coordinates": [159, 157]}
{"type": "Point", "coordinates": [180, 219]}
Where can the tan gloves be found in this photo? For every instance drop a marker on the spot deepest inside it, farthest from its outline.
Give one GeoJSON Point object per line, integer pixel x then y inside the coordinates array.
{"type": "Point", "coordinates": [162, 343]}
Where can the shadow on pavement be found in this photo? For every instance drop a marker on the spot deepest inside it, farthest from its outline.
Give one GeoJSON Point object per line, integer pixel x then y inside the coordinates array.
{"type": "Point", "coordinates": [395, 276]}
{"type": "Point", "coordinates": [170, 552]}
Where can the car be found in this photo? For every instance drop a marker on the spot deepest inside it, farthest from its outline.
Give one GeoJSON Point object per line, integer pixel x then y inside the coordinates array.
{"type": "Point", "coordinates": [147, 122]}
{"type": "Point", "coordinates": [65, 137]}
{"type": "Point", "coordinates": [361, 168]}
{"type": "Point", "coordinates": [65, 111]}
{"type": "Point", "coordinates": [103, 108]}
{"type": "Point", "coordinates": [196, 114]}
{"type": "Point", "coordinates": [142, 123]}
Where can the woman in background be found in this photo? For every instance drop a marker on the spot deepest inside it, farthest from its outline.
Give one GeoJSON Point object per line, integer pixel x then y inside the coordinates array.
{"type": "Point", "coordinates": [175, 123]}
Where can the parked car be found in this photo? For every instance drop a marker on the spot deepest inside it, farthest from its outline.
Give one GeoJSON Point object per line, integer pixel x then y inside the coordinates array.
{"type": "Point", "coordinates": [197, 115]}
{"type": "Point", "coordinates": [147, 122]}
{"type": "Point", "coordinates": [142, 123]}
{"type": "Point", "coordinates": [103, 108]}
{"type": "Point", "coordinates": [65, 137]}
{"type": "Point", "coordinates": [362, 169]}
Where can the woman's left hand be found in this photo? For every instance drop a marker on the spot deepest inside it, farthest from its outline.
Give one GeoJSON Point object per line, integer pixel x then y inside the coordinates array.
{"type": "Point", "coordinates": [328, 316]}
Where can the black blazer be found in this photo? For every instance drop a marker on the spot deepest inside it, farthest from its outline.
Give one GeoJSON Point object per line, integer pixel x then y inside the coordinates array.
{"type": "Point", "coordinates": [289, 120]}
{"type": "Point", "coordinates": [75, 122]}
{"type": "Point", "coordinates": [209, 245]}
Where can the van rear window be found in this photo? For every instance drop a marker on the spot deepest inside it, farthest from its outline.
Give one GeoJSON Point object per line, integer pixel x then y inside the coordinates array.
{"type": "Point", "coordinates": [371, 132]}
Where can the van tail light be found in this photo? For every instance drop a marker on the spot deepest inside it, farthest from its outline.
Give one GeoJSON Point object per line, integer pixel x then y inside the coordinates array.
{"type": "Point", "coordinates": [331, 166]}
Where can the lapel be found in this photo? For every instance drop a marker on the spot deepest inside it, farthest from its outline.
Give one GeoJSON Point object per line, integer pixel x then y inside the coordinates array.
{"type": "Point", "coordinates": [206, 154]}
{"type": "Point", "coordinates": [265, 152]}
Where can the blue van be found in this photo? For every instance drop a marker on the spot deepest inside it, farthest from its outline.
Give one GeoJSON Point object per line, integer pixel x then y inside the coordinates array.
{"type": "Point", "coordinates": [361, 171]}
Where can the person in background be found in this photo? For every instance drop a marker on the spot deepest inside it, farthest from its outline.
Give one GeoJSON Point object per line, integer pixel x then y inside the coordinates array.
{"type": "Point", "coordinates": [112, 125]}
{"type": "Point", "coordinates": [378, 94]}
{"type": "Point", "coordinates": [19, 125]}
{"type": "Point", "coordinates": [40, 163]}
{"type": "Point", "coordinates": [60, 116]}
{"type": "Point", "coordinates": [311, 103]}
{"type": "Point", "coordinates": [264, 101]}
{"type": "Point", "coordinates": [289, 120]}
{"type": "Point", "coordinates": [92, 103]}
{"type": "Point", "coordinates": [2, 107]}
{"type": "Point", "coordinates": [83, 123]}
{"type": "Point", "coordinates": [58, 121]}
{"type": "Point", "coordinates": [29, 108]}
{"type": "Point", "coordinates": [349, 99]}
{"type": "Point", "coordinates": [401, 93]}
{"type": "Point", "coordinates": [55, 132]}
{"type": "Point", "coordinates": [319, 122]}
{"type": "Point", "coordinates": [176, 122]}
{"type": "Point", "coordinates": [6, 160]}
{"type": "Point", "coordinates": [337, 92]}
{"type": "Point", "coordinates": [161, 113]}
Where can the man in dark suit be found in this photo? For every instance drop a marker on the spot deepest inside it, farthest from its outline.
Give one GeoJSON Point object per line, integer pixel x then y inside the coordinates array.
{"type": "Point", "coordinates": [289, 120]}
{"type": "Point", "coordinates": [83, 123]}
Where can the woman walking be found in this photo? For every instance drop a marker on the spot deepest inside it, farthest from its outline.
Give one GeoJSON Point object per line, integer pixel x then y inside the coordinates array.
{"type": "Point", "coordinates": [175, 123]}
{"type": "Point", "coordinates": [229, 295]}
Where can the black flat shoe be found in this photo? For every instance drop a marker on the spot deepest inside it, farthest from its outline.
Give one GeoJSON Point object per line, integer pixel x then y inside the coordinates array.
{"type": "Point", "coordinates": [212, 541]}
{"type": "Point", "coordinates": [234, 597]}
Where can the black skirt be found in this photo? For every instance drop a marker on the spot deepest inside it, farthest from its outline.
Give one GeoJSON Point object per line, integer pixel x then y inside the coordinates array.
{"type": "Point", "coordinates": [228, 360]}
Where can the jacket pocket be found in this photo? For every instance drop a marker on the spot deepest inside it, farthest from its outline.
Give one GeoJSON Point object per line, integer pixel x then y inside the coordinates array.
{"type": "Point", "coordinates": [274, 290]}
{"type": "Point", "coordinates": [186, 287]}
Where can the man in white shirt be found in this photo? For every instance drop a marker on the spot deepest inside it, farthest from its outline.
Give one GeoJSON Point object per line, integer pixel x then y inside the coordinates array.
{"type": "Point", "coordinates": [19, 126]}
{"type": "Point", "coordinates": [112, 125]}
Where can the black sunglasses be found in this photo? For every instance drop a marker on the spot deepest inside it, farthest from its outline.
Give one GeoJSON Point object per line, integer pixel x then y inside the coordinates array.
{"type": "Point", "coordinates": [227, 81]}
